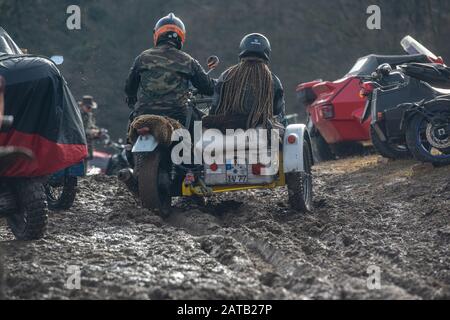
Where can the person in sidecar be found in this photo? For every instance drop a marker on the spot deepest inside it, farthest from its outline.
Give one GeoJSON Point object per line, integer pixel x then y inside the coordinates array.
{"type": "Point", "coordinates": [249, 95]}
{"type": "Point", "coordinates": [160, 77]}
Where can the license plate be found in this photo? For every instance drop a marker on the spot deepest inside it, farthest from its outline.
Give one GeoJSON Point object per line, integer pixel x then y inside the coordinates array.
{"type": "Point", "coordinates": [237, 174]}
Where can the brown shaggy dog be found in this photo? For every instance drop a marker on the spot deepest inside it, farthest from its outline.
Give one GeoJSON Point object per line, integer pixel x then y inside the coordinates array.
{"type": "Point", "coordinates": [159, 127]}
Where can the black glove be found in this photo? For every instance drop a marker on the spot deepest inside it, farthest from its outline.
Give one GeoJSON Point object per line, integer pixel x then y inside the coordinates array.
{"type": "Point", "coordinates": [131, 101]}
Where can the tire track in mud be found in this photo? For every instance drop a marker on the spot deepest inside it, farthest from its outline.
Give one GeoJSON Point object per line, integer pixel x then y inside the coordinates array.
{"type": "Point", "coordinates": [249, 245]}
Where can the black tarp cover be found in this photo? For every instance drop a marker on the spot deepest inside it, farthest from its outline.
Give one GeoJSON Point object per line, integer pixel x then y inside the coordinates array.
{"type": "Point", "coordinates": [46, 116]}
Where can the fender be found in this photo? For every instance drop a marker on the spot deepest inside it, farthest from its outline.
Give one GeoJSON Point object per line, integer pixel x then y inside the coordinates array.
{"type": "Point", "coordinates": [293, 153]}
{"type": "Point", "coordinates": [413, 107]}
{"type": "Point", "coordinates": [145, 143]}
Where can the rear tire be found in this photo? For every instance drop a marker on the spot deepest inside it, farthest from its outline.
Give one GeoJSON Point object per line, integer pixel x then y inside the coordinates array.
{"type": "Point", "coordinates": [154, 181]}
{"type": "Point", "coordinates": [300, 184]}
{"type": "Point", "coordinates": [321, 150]}
{"type": "Point", "coordinates": [388, 150]}
{"type": "Point", "coordinates": [65, 200]}
{"type": "Point", "coordinates": [414, 140]}
{"type": "Point", "coordinates": [29, 222]}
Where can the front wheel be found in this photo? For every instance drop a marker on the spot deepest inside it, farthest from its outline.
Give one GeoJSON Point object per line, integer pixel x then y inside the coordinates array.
{"type": "Point", "coordinates": [388, 150]}
{"type": "Point", "coordinates": [154, 181]}
{"type": "Point", "coordinates": [300, 184]}
{"type": "Point", "coordinates": [429, 138]}
{"type": "Point", "coordinates": [61, 194]}
{"type": "Point", "coordinates": [29, 222]}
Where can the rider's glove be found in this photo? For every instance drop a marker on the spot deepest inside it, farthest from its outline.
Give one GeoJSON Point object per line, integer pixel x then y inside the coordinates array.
{"type": "Point", "coordinates": [131, 101]}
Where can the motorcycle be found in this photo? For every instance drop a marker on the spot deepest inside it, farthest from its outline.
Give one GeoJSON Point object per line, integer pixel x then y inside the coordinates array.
{"type": "Point", "coordinates": [156, 178]}
{"type": "Point", "coordinates": [61, 188]}
{"type": "Point", "coordinates": [22, 200]}
{"type": "Point", "coordinates": [334, 108]}
{"type": "Point", "coordinates": [118, 161]}
{"type": "Point", "coordinates": [409, 115]}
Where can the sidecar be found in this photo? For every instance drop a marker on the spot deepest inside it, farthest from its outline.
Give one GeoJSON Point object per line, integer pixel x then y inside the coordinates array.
{"type": "Point", "coordinates": [159, 177]}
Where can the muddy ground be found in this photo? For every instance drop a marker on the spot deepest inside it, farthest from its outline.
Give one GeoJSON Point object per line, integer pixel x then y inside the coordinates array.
{"type": "Point", "coordinates": [249, 245]}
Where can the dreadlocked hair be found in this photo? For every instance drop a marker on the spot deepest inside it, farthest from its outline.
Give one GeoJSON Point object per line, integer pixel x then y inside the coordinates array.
{"type": "Point", "coordinates": [248, 89]}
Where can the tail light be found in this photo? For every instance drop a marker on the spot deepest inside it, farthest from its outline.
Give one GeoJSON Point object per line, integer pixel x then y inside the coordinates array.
{"type": "Point", "coordinates": [327, 111]}
{"type": "Point", "coordinates": [366, 89]}
{"type": "Point", "coordinates": [257, 169]}
{"type": "Point", "coordinates": [214, 167]}
{"type": "Point", "coordinates": [438, 60]}
{"type": "Point", "coordinates": [143, 131]}
{"type": "Point", "coordinates": [292, 139]}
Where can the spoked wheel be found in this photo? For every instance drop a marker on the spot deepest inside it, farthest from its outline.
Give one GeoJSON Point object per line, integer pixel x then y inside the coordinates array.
{"type": "Point", "coordinates": [152, 172]}
{"type": "Point", "coordinates": [29, 222]}
{"type": "Point", "coordinates": [389, 150]}
{"type": "Point", "coordinates": [61, 193]}
{"type": "Point", "coordinates": [429, 139]}
{"type": "Point", "coordinates": [300, 184]}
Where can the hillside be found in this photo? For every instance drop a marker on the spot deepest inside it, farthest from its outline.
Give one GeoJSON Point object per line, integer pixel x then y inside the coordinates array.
{"type": "Point", "coordinates": [311, 39]}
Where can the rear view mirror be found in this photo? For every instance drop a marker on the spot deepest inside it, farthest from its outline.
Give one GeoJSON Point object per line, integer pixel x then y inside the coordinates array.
{"type": "Point", "coordinates": [213, 62]}
{"type": "Point", "coordinates": [58, 60]}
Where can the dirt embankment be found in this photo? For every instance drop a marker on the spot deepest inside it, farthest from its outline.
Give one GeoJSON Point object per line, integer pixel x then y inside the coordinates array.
{"type": "Point", "coordinates": [249, 245]}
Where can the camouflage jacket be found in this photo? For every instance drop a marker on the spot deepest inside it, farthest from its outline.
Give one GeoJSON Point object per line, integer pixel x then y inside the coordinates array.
{"type": "Point", "coordinates": [160, 79]}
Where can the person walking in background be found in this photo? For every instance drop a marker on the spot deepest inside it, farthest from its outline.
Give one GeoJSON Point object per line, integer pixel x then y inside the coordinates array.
{"type": "Point", "coordinates": [87, 106]}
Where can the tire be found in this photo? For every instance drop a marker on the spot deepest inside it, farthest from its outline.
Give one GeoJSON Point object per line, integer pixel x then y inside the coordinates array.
{"type": "Point", "coordinates": [347, 149]}
{"type": "Point", "coordinates": [29, 222]}
{"type": "Point", "coordinates": [154, 182]}
{"type": "Point", "coordinates": [64, 199]}
{"type": "Point", "coordinates": [418, 143]}
{"type": "Point", "coordinates": [300, 184]}
{"type": "Point", "coordinates": [387, 150]}
{"type": "Point", "coordinates": [321, 149]}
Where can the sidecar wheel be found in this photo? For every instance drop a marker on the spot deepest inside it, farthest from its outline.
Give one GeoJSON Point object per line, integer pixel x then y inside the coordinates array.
{"type": "Point", "coordinates": [29, 222]}
{"type": "Point", "coordinates": [154, 182]}
{"type": "Point", "coordinates": [300, 184]}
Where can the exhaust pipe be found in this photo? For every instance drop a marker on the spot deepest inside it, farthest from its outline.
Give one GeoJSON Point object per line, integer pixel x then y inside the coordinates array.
{"type": "Point", "coordinates": [126, 176]}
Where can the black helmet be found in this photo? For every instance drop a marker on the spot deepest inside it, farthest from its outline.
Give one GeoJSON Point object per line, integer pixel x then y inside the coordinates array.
{"type": "Point", "coordinates": [170, 28]}
{"type": "Point", "coordinates": [255, 45]}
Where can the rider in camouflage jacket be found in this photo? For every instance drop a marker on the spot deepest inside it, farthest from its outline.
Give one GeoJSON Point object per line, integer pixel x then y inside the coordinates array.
{"type": "Point", "coordinates": [161, 77]}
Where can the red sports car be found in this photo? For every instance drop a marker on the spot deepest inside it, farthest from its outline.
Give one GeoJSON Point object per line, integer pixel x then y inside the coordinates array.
{"type": "Point", "coordinates": [335, 109]}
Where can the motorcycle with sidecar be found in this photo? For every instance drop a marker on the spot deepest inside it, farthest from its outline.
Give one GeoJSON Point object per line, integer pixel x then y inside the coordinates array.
{"type": "Point", "coordinates": [157, 178]}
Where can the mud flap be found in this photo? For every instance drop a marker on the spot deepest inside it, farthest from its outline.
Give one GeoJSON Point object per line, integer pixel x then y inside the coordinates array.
{"type": "Point", "coordinates": [146, 143]}
{"type": "Point", "coordinates": [293, 153]}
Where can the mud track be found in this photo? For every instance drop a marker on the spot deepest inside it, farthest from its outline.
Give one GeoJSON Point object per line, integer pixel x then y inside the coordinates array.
{"type": "Point", "coordinates": [249, 245]}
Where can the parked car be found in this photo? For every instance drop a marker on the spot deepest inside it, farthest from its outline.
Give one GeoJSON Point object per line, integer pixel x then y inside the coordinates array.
{"type": "Point", "coordinates": [334, 109]}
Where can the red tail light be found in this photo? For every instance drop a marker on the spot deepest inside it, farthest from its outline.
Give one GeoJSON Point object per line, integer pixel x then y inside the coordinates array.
{"type": "Point", "coordinates": [438, 60]}
{"type": "Point", "coordinates": [327, 111]}
{"type": "Point", "coordinates": [214, 167]}
{"type": "Point", "coordinates": [292, 139]}
{"type": "Point", "coordinates": [143, 131]}
{"type": "Point", "coordinates": [257, 169]}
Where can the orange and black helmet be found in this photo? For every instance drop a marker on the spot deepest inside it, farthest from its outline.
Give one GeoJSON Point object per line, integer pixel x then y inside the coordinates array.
{"type": "Point", "coordinates": [171, 29]}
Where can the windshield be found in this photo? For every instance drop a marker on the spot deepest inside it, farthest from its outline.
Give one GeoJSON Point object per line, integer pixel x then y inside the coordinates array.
{"type": "Point", "coordinates": [412, 47]}
{"type": "Point", "coordinates": [358, 66]}
{"type": "Point", "coordinates": [7, 45]}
